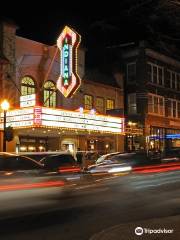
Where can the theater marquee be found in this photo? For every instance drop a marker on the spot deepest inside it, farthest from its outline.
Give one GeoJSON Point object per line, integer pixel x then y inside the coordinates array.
{"type": "Point", "coordinates": [69, 80]}
{"type": "Point", "coordinates": [62, 119]}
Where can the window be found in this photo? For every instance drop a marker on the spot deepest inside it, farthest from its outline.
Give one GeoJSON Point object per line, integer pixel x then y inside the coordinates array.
{"type": "Point", "coordinates": [27, 86]}
{"type": "Point", "coordinates": [155, 73]}
{"type": "Point", "coordinates": [178, 82]}
{"type": "Point", "coordinates": [100, 105]}
{"type": "Point", "coordinates": [56, 161]}
{"type": "Point", "coordinates": [156, 104]}
{"type": "Point", "coordinates": [178, 109]}
{"type": "Point", "coordinates": [173, 80]}
{"type": "Point", "coordinates": [131, 72]}
{"type": "Point", "coordinates": [168, 78]}
{"type": "Point", "coordinates": [150, 104]}
{"type": "Point", "coordinates": [132, 107]}
{"type": "Point", "coordinates": [88, 102]}
{"type": "Point", "coordinates": [109, 104]}
{"type": "Point", "coordinates": [169, 109]}
{"type": "Point", "coordinates": [25, 163]}
{"type": "Point", "coordinates": [161, 106]}
{"type": "Point", "coordinates": [49, 94]}
{"type": "Point", "coordinates": [173, 108]}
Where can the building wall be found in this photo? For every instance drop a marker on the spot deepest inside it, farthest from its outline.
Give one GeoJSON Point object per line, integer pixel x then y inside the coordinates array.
{"type": "Point", "coordinates": [143, 86]}
{"type": "Point", "coordinates": [8, 46]}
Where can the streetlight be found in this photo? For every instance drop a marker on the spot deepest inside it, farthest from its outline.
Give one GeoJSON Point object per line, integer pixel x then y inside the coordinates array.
{"type": "Point", "coordinates": [5, 107]}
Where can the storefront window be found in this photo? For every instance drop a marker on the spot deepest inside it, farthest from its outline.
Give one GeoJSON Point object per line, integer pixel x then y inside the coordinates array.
{"type": "Point", "coordinates": [88, 102]}
{"type": "Point", "coordinates": [49, 94]}
{"type": "Point", "coordinates": [100, 105]}
{"type": "Point", "coordinates": [109, 104]}
{"type": "Point", "coordinates": [27, 86]}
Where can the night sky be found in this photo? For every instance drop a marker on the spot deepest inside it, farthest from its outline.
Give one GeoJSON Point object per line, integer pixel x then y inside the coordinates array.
{"type": "Point", "coordinates": [100, 26]}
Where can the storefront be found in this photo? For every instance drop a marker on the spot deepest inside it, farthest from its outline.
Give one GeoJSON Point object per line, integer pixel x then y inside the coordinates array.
{"type": "Point", "coordinates": [48, 129]}
{"type": "Point", "coordinates": [163, 138]}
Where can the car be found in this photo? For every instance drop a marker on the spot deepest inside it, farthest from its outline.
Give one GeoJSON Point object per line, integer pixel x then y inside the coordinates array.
{"type": "Point", "coordinates": [63, 163]}
{"type": "Point", "coordinates": [123, 162]}
{"type": "Point", "coordinates": [37, 156]}
{"type": "Point", "coordinates": [106, 157]}
{"type": "Point", "coordinates": [172, 155]}
{"type": "Point", "coordinates": [13, 162]}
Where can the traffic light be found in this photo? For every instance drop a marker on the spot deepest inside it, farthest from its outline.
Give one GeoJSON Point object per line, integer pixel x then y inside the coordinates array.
{"type": "Point", "coordinates": [9, 134]}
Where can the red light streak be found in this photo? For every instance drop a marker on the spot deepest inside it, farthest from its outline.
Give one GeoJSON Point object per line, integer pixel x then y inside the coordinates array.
{"type": "Point", "coordinates": [31, 185]}
{"type": "Point", "coordinates": [156, 169]}
{"type": "Point", "coordinates": [69, 170]}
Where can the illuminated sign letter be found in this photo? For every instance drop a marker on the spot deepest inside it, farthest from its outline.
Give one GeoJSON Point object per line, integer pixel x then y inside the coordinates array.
{"type": "Point", "coordinates": [69, 80]}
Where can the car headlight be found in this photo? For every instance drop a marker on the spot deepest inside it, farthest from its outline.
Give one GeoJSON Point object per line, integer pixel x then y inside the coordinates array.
{"type": "Point", "coordinates": [120, 169]}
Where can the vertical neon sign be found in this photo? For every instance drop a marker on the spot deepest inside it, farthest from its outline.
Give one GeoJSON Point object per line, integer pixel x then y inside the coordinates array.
{"type": "Point", "coordinates": [69, 80]}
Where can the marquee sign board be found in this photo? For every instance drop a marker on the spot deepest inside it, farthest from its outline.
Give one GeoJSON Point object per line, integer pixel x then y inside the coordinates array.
{"type": "Point", "coordinates": [39, 117]}
{"type": "Point", "coordinates": [69, 80]}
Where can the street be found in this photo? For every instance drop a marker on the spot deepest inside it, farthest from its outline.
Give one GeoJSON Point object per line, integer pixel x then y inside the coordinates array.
{"type": "Point", "coordinates": [91, 208]}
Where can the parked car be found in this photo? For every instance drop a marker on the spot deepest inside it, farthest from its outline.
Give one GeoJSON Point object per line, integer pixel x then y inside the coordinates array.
{"type": "Point", "coordinates": [172, 155]}
{"type": "Point", "coordinates": [13, 162]}
{"type": "Point", "coordinates": [37, 156]}
{"type": "Point", "coordinates": [123, 162]}
{"type": "Point", "coordinates": [62, 163]}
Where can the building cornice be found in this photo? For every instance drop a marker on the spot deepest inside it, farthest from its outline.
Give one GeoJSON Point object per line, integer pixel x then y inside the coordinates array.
{"type": "Point", "coordinates": [162, 57]}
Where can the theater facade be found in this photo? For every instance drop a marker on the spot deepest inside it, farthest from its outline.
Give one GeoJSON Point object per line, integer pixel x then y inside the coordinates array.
{"type": "Point", "coordinates": [55, 104]}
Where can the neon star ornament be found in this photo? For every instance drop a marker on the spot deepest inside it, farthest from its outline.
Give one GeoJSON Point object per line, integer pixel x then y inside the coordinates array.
{"type": "Point", "coordinates": [69, 80]}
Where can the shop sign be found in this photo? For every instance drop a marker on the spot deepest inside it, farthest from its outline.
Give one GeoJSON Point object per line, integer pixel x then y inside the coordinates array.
{"type": "Point", "coordinates": [28, 101]}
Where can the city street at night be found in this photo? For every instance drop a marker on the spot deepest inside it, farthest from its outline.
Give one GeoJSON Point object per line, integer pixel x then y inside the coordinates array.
{"type": "Point", "coordinates": [90, 120]}
{"type": "Point", "coordinates": [126, 201]}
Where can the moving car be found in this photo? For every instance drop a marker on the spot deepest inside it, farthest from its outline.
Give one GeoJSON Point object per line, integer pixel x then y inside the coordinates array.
{"type": "Point", "coordinates": [122, 162]}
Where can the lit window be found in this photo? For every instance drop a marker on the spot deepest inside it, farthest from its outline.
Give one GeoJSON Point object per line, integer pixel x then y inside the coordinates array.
{"type": "Point", "coordinates": [27, 86]}
{"type": "Point", "coordinates": [173, 108]}
{"type": "Point", "coordinates": [109, 104]}
{"type": "Point", "coordinates": [156, 104]}
{"type": "Point", "coordinates": [100, 105]}
{"type": "Point", "coordinates": [88, 102]}
{"type": "Point", "coordinates": [49, 94]}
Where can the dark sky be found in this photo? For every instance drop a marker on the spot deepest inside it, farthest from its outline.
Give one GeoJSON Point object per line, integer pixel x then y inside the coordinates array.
{"type": "Point", "coordinates": [100, 25]}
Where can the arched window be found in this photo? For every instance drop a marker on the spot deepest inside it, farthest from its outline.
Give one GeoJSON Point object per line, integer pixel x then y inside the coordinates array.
{"type": "Point", "coordinates": [49, 94]}
{"type": "Point", "coordinates": [27, 86]}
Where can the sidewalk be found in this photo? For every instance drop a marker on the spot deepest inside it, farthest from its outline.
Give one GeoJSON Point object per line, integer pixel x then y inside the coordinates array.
{"type": "Point", "coordinates": [127, 231]}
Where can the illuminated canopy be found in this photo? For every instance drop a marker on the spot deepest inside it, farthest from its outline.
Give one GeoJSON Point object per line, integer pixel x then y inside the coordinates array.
{"type": "Point", "coordinates": [69, 80]}
{"type": "Point", "coordinates": [58, 118]}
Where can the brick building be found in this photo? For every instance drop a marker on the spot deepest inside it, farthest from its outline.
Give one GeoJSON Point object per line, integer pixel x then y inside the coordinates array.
{"type": "Point", "coordinates": [33, 68]}
{"type": "Point", "coordinates": [152, 101]}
